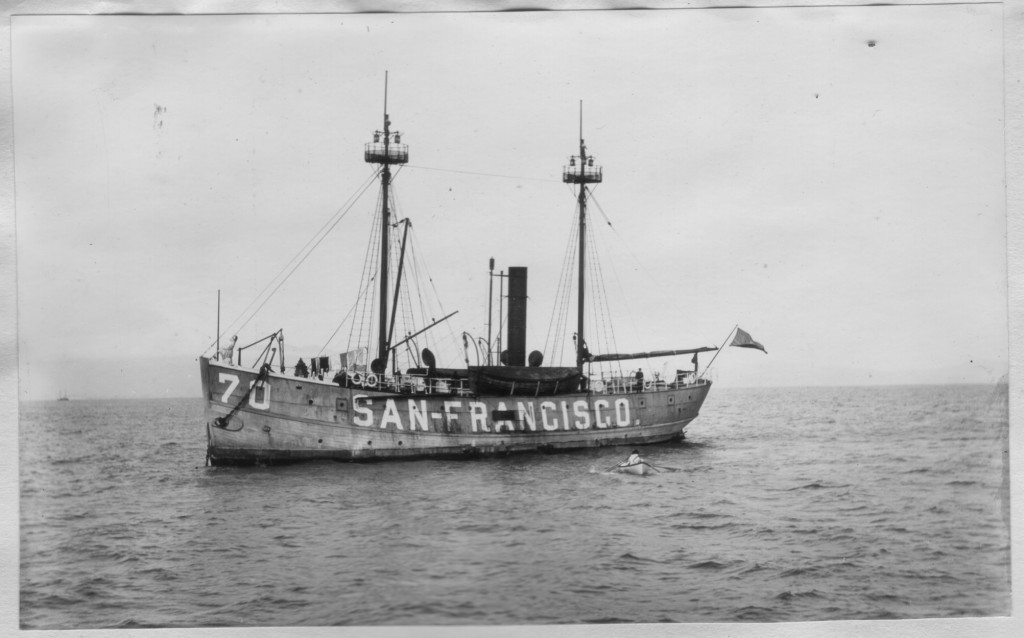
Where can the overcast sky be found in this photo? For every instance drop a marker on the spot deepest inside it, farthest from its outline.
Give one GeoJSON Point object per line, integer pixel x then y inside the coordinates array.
{"type": "Point", "coordinates": [841, 202]}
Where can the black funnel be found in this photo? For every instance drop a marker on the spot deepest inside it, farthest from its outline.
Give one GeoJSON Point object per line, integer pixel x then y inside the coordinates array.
{"type": "Point", "coordinates": [517, 316]}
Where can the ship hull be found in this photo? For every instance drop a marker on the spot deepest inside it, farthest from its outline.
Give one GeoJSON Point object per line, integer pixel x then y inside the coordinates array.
{"type": "Point", "coordinates": [271, 418]}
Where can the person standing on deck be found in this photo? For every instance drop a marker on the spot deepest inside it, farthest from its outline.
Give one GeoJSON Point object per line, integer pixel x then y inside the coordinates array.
{"type": "Point", "coordinates": [228, 353]}
{"type": "Point", "coordinates": [640, 380]}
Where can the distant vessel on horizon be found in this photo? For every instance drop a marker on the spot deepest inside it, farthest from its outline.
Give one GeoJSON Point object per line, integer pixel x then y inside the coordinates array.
{"type": "Point", "coordinates": [63, 396]}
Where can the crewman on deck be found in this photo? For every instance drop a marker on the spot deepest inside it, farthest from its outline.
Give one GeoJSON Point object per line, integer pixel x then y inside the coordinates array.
{"type": "Point", "coordinates": [301, 370]}
{"type": "Point", "coordinates": [640, 380]}
{"type": "Point", "coordinates": [227, 353]}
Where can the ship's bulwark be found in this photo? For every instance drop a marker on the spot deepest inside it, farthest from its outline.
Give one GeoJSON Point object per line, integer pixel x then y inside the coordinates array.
{"type": "Point", "coordinates": [286, 419]}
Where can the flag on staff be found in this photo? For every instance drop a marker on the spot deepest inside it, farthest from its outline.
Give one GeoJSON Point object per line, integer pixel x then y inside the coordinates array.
{"type": "Point", "coordinates": [744, 340]}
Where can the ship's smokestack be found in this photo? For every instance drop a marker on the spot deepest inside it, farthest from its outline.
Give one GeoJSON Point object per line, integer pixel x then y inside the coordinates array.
{"type": "Point", "coordinates": [517, 316]}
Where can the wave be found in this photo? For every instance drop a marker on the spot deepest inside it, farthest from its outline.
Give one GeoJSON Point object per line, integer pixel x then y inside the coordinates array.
{"type": "Point", "coordinates": [69, 460]}
{"type": "Point", "coordinates": [591, 589]}
{"type": "Point", "coordinates": [709, 515]}
{"type": "Point", "coordinates": [605, 620]}
{"type": "Point", "coordinates": [884, 597]}
{"type": "Point", "coordinates": [497, 543]}
{"type": "Point", "coordinates": [634, 558]}
{"type": "Point", "coordinates": [788, 595]}
{"type": "Point", "coordinates": [818, 486]}
{"type": "Point", "coordinates": [756, 567]}
{"type": "Point", "coordinates": [131, 623]}
{"type": "Point", "coordinates": [696, 526]}
{"type": "Point", "coordinates": [50, 599]}
{"type": "Point", "coordinates": [754, 613]}
{"type": "Point", "coordinates": [708, 564]}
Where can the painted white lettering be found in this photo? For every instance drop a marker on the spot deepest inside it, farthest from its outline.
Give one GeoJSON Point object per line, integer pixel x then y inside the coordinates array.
{"type": "Point", "coordinates": [504, 423]}
{"type": "Point", "coordinates": [579, 408]}
{"type": "Point", "coordinates": [527, 417]}
{"type": "Point", "coordinates": [478, 416]}
{"type": "Point", "coordinates": [418, 415]}
{"type": "Point", "coordinates": [451, 420]}
{"type": "Point", "coordinates": [565, 414]}
{"type": "Point", "coordinates": [599, 405]}
{"type": "Point", "coordinates": [622, 412]}
{"type": "Point", "coordinates": [549, 426]}
{"type": "Point", "coordinates": [359, 403]}
{"type": "Point", "coordinates": [390, 416]}
{"type": "Point", "coordinates": [259, 398]}
{"type": "Point", "coordinates": [232, 384]}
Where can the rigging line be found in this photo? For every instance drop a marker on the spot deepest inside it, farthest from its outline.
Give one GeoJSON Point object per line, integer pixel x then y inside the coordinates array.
{"type": "Point", "coordinates": [449, 170]}
{"type": "Point", "coordinates": [300, 262]}
{"type": "Point", "coordinates": [602, 314]}
{"type": "Point", "coordinates": [550, 339]}
{"type": "Point", "coordinates": [570, 287]}
{"type": "Point", "coordinates": [412, 295]}
{"type": "Point", "coordinates": [367, 291]}
{"type": "Point", "coordinates": [600, 291]}
{"type": "Point", "coordinates": [606, 298]}
{"type": "Point", "coordinates": [567, 282]}
{"type": "Point", "coordinates": [421, 271]}
{"type": "Point", "coordinates": [564, 331]}
{"type": "Point", "coordinates": [566, 287]}
{"type": "Point", "coordinates": [428, 303]}
{"type": "Point", "coordinates": [603, 214]}
{"type": "Point", "coordinates": [430, 279]}
{"type": "Point", "coordinates": [399, 275]}
{"type": "Point", "coordinates": [622, 293]}
{"type": "Point", "coordinates": [616, 231]}
{"type": "Point", "coordinates": [340, 324]}
{"type": "Point", "coordinates": [632, 322]}
{"type": "Point", "coordinates": [342, 211]}
{"type": "Point", "coordinates": [411, 276]}
{"type": "Point", "coordinates": [602, 320]}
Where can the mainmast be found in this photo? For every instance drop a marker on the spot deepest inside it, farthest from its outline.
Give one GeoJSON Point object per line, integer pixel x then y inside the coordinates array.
{"type": "Point", "coordinates": [386, 149]}
{"type": "Point", "coordinates": [586, 174]}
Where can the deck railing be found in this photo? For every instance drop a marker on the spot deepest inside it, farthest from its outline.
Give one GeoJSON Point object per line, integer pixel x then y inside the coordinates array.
{"type": "Point", "coordinates": [423, 385]}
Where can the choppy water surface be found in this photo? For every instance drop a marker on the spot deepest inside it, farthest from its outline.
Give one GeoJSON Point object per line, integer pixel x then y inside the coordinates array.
{"type": "Point", "coordinates": [795, 504]}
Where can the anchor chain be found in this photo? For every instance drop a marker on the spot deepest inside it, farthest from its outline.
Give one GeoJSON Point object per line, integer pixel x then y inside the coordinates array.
{"type": "Point", "coordinates": [222, 421]}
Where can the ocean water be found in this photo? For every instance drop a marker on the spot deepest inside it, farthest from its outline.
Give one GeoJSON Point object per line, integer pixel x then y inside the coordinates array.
{"type": "Point", "coordinates": [788, 505]}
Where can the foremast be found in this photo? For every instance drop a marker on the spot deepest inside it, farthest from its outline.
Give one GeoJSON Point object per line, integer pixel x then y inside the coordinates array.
{"type": "Point", "coordinates": [585, 174]}
{"type": "Point", "coordinates": [386, 149]}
